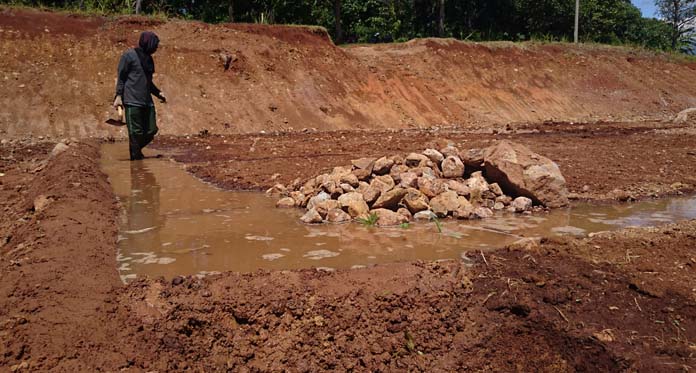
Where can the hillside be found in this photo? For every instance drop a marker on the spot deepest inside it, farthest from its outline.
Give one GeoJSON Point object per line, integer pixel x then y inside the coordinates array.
{"type": "Point", "coordinates": [58, 76]}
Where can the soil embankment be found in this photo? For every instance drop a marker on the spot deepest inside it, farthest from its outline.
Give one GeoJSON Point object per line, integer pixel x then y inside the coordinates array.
{"type": "Point", "coordinates": [285, 78]}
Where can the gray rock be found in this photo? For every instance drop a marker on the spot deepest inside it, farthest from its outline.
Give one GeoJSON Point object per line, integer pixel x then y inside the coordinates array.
{"type": "Point", "coordinates": [354, 204]}
{"type": "Point", "coordinates": [408, 180]}
{"type": "Point", "coordinates": [472, 158]}
{"type": "Point", "coordinates": [364, 164]}
{"type": "Point", "coordinates": [434, 155]}
{"type": "Point", "coordinates": [59, 148]}
{"type": "Point", "coordinates": [424, 215]}
{"type": "Point", "coordinates": [452, 167]}
{"type": "Point", "coordinates": [322, 196]}
{"type": "Point", "coordinates": [337, 216]}
{"type": "Point", "coordinates": [450, 150]}
{"type": "Point", "coordinates": [459, 187]}
{"type": "Point", "coordinates": [390, 199]}
{"type": "Point", "coordinates": [311, 217]}
{"type": "Point", "coordinates": [415, 201]}
{"type": "Point", "coordinates": [416, 160]}
{"type": "Point", "coordinates": [388, 218]}
{"type": "Point", "coordinates": [431, 188]}
{"type": "Point", "coordinates": [383, 183]}
{"type": "Point", "coordinates": [521, 204]}
{"type": "Point", "coordinates": [482, 213]}
{"type": "Point", "coordinates": [382, 166]}
{"type": "Point", "coordinates": [444, 204]}
{"type": "Point", "coordinates": [286, 202]}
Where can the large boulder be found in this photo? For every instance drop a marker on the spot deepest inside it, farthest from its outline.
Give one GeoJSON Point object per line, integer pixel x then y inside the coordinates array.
{"type": "Point", "coordinates": [459, 187]}
{"type": "Point", "coordinates": [452, 167]}
{"type": "Point", "coordinates": [521, 172]}
{"type": "Point", "coordinates": [323, 207]}
{"type": "Point", "coordinates": [388, 218]}
{"type": "Point", "coordinates": [322, 196]}
{"type": "Point", "coordinates": [354, 204]}
{"type": "Point", "coordinates": [408, 180]}
{"type": "Point", "coordinates": [390, 199]}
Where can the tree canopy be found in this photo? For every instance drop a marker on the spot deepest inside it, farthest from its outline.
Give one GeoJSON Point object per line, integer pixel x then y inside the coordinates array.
{"type": "Point", "coordinates": [602, 21]}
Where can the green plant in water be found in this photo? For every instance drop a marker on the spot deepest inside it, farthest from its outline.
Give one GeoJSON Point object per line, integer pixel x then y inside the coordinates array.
{"type": "Point", "coordinates": [437, 222]}
{"type": "Point", "coordinates": [405, 225]}
{"type": "Point", "coordinates": [369, 221]}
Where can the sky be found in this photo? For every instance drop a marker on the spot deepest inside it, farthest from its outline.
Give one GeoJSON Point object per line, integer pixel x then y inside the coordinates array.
{"type": "Point", "coordinates": [646, 6]}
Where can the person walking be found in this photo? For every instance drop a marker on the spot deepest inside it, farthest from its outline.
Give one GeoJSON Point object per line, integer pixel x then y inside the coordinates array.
{"type": "Point", "coordinates": [134, 91]}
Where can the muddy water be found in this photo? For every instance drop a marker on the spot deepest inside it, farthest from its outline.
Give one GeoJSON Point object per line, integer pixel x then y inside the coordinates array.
{"type": "Point", "coordinates": [172, 224]}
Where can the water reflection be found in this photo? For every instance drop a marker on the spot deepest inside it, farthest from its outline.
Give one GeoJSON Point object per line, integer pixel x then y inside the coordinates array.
{"type": "Point", "coordinates": [174, 224]}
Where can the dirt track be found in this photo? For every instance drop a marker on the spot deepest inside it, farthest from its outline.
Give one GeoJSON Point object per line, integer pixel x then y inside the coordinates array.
{"type": "Point", "coordinates": [623, 301]}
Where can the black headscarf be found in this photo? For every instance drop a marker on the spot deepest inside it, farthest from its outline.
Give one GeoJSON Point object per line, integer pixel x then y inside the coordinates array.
{"type": "Point", "coordinates": [146, 47]}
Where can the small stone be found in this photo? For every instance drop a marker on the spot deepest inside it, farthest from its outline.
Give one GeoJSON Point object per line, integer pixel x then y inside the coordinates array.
{"type": "Point", "coordinates": [388, 218]}
{"type": "Point", "coordinates": [404, 211]}
{"type": "Point", "coordinates": [178, 280]}
{"type": "Point", "coordinates": [431, 188]}
{"type": "Point", "coordinates": [362, 174]}
{"type": "Point", "coordinates": [522, 204]}
{"type": "Point", "coordinates": [482, 212]}
{"type": "Point", "coordinates": [459, 187]}
{"type": "Point", "coordinates": [311, 217]}
{"type": "Point", "coordinates": [424, 215]}
{"type": "Point", "coordinates": [278, 189]}
{"type": "Point", "coordinates": [354, 204]}
{"type": "Point", "coordinates": [382, 166]}
{"type": "Point", "coordinates": [41, 202]}
{"type": "Point", "coordinates": [59, 148]}
{"type": "Point", "coordinates": [383, 183]}
{"type": "Point", "coordinates": [347, 188]}
{"type": "Point", "coordinates": [364, 164]}
{"type": "Point", "coordinates": [498, 206]}
{"type": "Point", "coordinates": [396, 172]}
{"type": "Point", "coordinates": [371, 194]}
{"type": "Point", "coordinates": [415, 160]}
{"type": "Point", "coordinates": [324, 207]}
{"type": "Point", "coordinates": [449, 151]}
{"type": "Point", "coordinates": [390, 199]}
{"type": "Point", "coordinates": [505, 200]}
{"type": "Point", "coordinates": [322, 196]}
{"type": "Point", "coordinates": [415, 201]}
{"type": "Point", "coordinates": [299, 198]}
{"type": "Point", "coordinates": [495, 188]}
{"type": "Point", "coordinates": [408, 180]}
{"type": "Point", "coordinates": [452, 167]}
{"type": "Point", "coordinates": [445, 203]}
{"type": "Point", "coordinates": [337, 216]}
{"type": "Point", "coordinates": [286, 202]}
{"type": "Point", "coordinates": [434, 155]}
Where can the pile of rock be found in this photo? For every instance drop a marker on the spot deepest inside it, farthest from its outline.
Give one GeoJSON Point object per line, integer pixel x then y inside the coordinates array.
{"type": "Point", "coordinates": [443, 183]}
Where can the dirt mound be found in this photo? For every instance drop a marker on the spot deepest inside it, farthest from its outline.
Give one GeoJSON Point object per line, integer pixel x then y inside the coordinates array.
{"type": "Point", "coordinates": [290, 78]}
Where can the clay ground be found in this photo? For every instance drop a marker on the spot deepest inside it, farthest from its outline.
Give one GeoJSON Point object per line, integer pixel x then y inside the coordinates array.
{"type": "Point", "coordinates": [623, 301]}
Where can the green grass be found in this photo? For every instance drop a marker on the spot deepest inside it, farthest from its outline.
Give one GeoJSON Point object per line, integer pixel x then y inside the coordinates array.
{"type": "Point", "coordinates": [370, 221]}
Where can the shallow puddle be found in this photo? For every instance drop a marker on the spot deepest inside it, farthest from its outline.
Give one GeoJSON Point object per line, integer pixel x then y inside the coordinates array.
{"type": "Point", "coordinates": [174, 224]}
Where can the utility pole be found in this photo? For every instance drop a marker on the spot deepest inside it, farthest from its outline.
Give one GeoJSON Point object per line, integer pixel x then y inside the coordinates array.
{"type": "Point", "coordinates": [577, 19]}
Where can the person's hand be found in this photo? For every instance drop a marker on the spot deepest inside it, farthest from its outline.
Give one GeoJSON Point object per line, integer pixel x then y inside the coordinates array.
{"type": "Point", "coordinates": [162, 98]}
{"type": "Point", "coordinates": [118, 102]}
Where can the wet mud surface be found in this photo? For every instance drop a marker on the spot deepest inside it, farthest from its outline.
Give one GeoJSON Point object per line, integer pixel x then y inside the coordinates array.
{"type": "Point", "coordinates": [614, 302]}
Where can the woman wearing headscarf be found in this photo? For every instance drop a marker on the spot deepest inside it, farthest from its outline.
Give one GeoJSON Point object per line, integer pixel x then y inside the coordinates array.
{"type": "Point", "coordinates": [134, 89]}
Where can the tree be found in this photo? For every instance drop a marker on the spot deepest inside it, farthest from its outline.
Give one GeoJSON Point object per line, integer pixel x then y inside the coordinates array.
{"type": "Point", "coordinates": [441, 19]}
{"type": "Point", "coordinates": [230, 10]}
{"type": "Point", "coordinates": [337, 21]}
{"type": "Point", "coordinates": [681, 15]}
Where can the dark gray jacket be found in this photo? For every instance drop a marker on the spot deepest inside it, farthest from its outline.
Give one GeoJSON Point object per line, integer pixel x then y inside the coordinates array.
{"type": "Point", "coordinates": [133, 85]}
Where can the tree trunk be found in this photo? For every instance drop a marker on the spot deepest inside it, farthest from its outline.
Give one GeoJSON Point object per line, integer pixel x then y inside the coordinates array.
{"type": "Point", "coordinates": [337, 21]}
{"type": "Point", "coordinates": [441, 19]}
{"type": "Point", "coordinates": [230, 10]}
{"type": "Point", "coordinates": [138, 6]}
